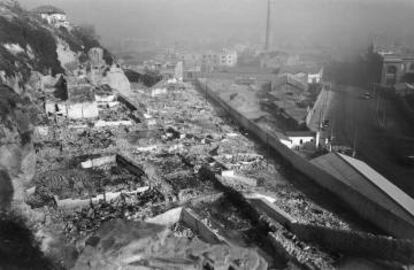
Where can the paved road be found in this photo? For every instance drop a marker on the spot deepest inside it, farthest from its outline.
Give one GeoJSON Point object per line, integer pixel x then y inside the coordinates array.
{"type": "Point", "coordinates": [379, 140]}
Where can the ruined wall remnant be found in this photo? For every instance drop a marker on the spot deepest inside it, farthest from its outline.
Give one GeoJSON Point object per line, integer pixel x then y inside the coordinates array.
{"type": "Point", "coordinates": [96, 57]}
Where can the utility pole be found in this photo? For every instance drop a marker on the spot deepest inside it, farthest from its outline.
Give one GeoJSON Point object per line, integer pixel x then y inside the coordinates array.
{"type": "Point", "coordinates": [355, 143]}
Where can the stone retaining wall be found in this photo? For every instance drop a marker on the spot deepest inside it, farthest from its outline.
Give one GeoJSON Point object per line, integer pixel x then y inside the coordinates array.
{"type": "Point", "coordinates": [193, 221]}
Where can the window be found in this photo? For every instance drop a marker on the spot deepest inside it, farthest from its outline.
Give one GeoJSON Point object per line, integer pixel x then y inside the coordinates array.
{"type": "Point", "coordinates": [412, 66]}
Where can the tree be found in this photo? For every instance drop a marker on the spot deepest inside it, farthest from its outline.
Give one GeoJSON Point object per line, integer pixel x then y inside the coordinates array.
{"type": "Point", "coordinates": [88, 30]}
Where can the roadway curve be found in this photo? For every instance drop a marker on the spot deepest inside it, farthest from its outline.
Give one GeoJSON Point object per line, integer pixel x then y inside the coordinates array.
{"type": "Point", "coordinates": [378, 142]}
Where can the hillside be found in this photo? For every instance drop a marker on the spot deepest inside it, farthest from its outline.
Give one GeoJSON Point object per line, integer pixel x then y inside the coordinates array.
{"type": "Point", "coordinates": [30, 51]}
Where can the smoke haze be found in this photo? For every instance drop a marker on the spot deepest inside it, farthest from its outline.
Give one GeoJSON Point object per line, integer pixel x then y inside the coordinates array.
{"type": "Point", "coordinates": [345, 23]}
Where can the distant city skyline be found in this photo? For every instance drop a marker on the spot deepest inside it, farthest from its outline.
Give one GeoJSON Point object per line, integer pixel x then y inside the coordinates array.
{"type": "Point", "coordinates": [338, 22]}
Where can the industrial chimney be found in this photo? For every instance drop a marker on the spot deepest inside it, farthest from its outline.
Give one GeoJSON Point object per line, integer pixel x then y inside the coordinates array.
{"type": "Point", "coordinates": [268, 26]}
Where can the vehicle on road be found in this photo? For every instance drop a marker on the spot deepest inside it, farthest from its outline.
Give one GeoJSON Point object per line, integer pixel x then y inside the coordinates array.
{"type": "Point", "coordinates": [366, 95]}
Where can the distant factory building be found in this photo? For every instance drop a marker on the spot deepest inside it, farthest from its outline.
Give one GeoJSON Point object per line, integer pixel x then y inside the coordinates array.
{"type": "Point", "coordinates": [227, 58]}
{"type": "Point", "coordinates": [53, 15]}
{"type": "Point", "coordinates": [212, 60]}
{"type": "Point", "coordinates": [396, 69]}
{"type": "Point", "coordinates": [312, 74]}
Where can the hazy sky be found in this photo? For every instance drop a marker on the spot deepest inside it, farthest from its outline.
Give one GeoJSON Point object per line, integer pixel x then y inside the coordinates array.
{"type": "Point", "coordinates": [341, 21]}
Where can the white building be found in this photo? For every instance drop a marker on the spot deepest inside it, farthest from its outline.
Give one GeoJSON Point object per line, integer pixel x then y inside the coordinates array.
{"type": "Point", "coordinates": [296, 139]}
{"type": "Point", "coordinates": [227, 58]}
{"type": "Point", "coordinates": [53, 15]}
{"type": "Point", "coordinates": [310, 73]}
{"type": "Point", "coordinates": [315, 76]}
{"type": "Point", "coordinates": [224, 58]}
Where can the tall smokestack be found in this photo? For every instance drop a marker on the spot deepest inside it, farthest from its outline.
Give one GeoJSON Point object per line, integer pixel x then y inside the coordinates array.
{"type": "Point", "coordinates": [267, 41]}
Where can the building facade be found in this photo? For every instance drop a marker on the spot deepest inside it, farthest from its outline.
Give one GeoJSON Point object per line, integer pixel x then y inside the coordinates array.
{"type": "Point", "coordinates": [397, 69]}
{"type": "Point", "coordinates": [224, 58]}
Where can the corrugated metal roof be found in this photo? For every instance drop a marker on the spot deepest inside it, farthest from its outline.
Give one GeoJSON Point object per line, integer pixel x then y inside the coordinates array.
{"type": "Point", "coordinates": [368, 182]}
{"type": "Point", "coordinates": [382, 183]}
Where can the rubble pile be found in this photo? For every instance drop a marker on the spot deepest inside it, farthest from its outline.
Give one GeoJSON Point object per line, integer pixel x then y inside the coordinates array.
{"type": "Point", "coordinates": [116, 113]}
{"type": "Point", "coordinates": [305, 211]}
{"type": "Point", "coordinates": [224, 213]}
{"type": "Point", "coordinates": [182, 133]}
{"type": "Point", "coordinates": [137, 207]}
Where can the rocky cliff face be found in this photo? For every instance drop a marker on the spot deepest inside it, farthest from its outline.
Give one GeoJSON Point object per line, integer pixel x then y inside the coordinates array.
{"type": "Point", "coordinates": [31, 53]}
{"type": "Point", "coordinates": [17, 157]}
{"type": "Point", "coordinates": [29, 44]}
{"type": "Point", "coordinates": [30, 49]}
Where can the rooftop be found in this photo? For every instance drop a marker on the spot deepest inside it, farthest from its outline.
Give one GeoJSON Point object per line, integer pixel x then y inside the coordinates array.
{"type": "Point", "coordinates": [48, 9]}
{"type": "Point", "coordinates": [361, 177]}
{"type": "Point", "coordinates": [305, 133]}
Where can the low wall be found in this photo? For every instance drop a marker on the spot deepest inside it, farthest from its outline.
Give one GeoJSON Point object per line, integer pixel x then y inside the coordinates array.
{"type": "Point", "coordinates": [364, 207]}
{"type": "Point", "coordinates": [127, 102]}
{"type": "Point", "coordinates": [136, 111]}
{"type": "Point", "coordinates": [357, 243]}
{"type": "Point", "coordinates": [109, 196]}
{"type": "Point", "coordinates": [284, 244]}
{"type": "Point", "coordinates": [130, 165]}
{"type": "Point", "coordinates": [273, 212]}
{"type": "Point", "coordinates": [302, 259]}
{"type": "Point", "coordinates": [193, 221]}
{"type": "Point", "coordinates": [97, 162]}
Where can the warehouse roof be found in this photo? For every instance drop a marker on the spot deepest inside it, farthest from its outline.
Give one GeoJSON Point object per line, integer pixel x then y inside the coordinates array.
{"type": "Point", "coordinates": [361, 177]}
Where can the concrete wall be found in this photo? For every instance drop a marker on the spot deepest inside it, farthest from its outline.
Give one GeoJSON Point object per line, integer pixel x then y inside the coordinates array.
{"type": "Point", "coordinates": [127, 102]}
{"type": "Point", "coordinates": [356, 243]}
{"type": "Point", "coordinates": [130, 165]}
{"type": "Point", "coordinates": [364, 207]}
{"type": "Point", "coordinates": [193, 221]}
{"type": "Point", "coordinates": [109, 196]}
{"type": "Point", "coordinates": [273, 211]}
{"type": "Point", "coordinates": [97, 162]}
